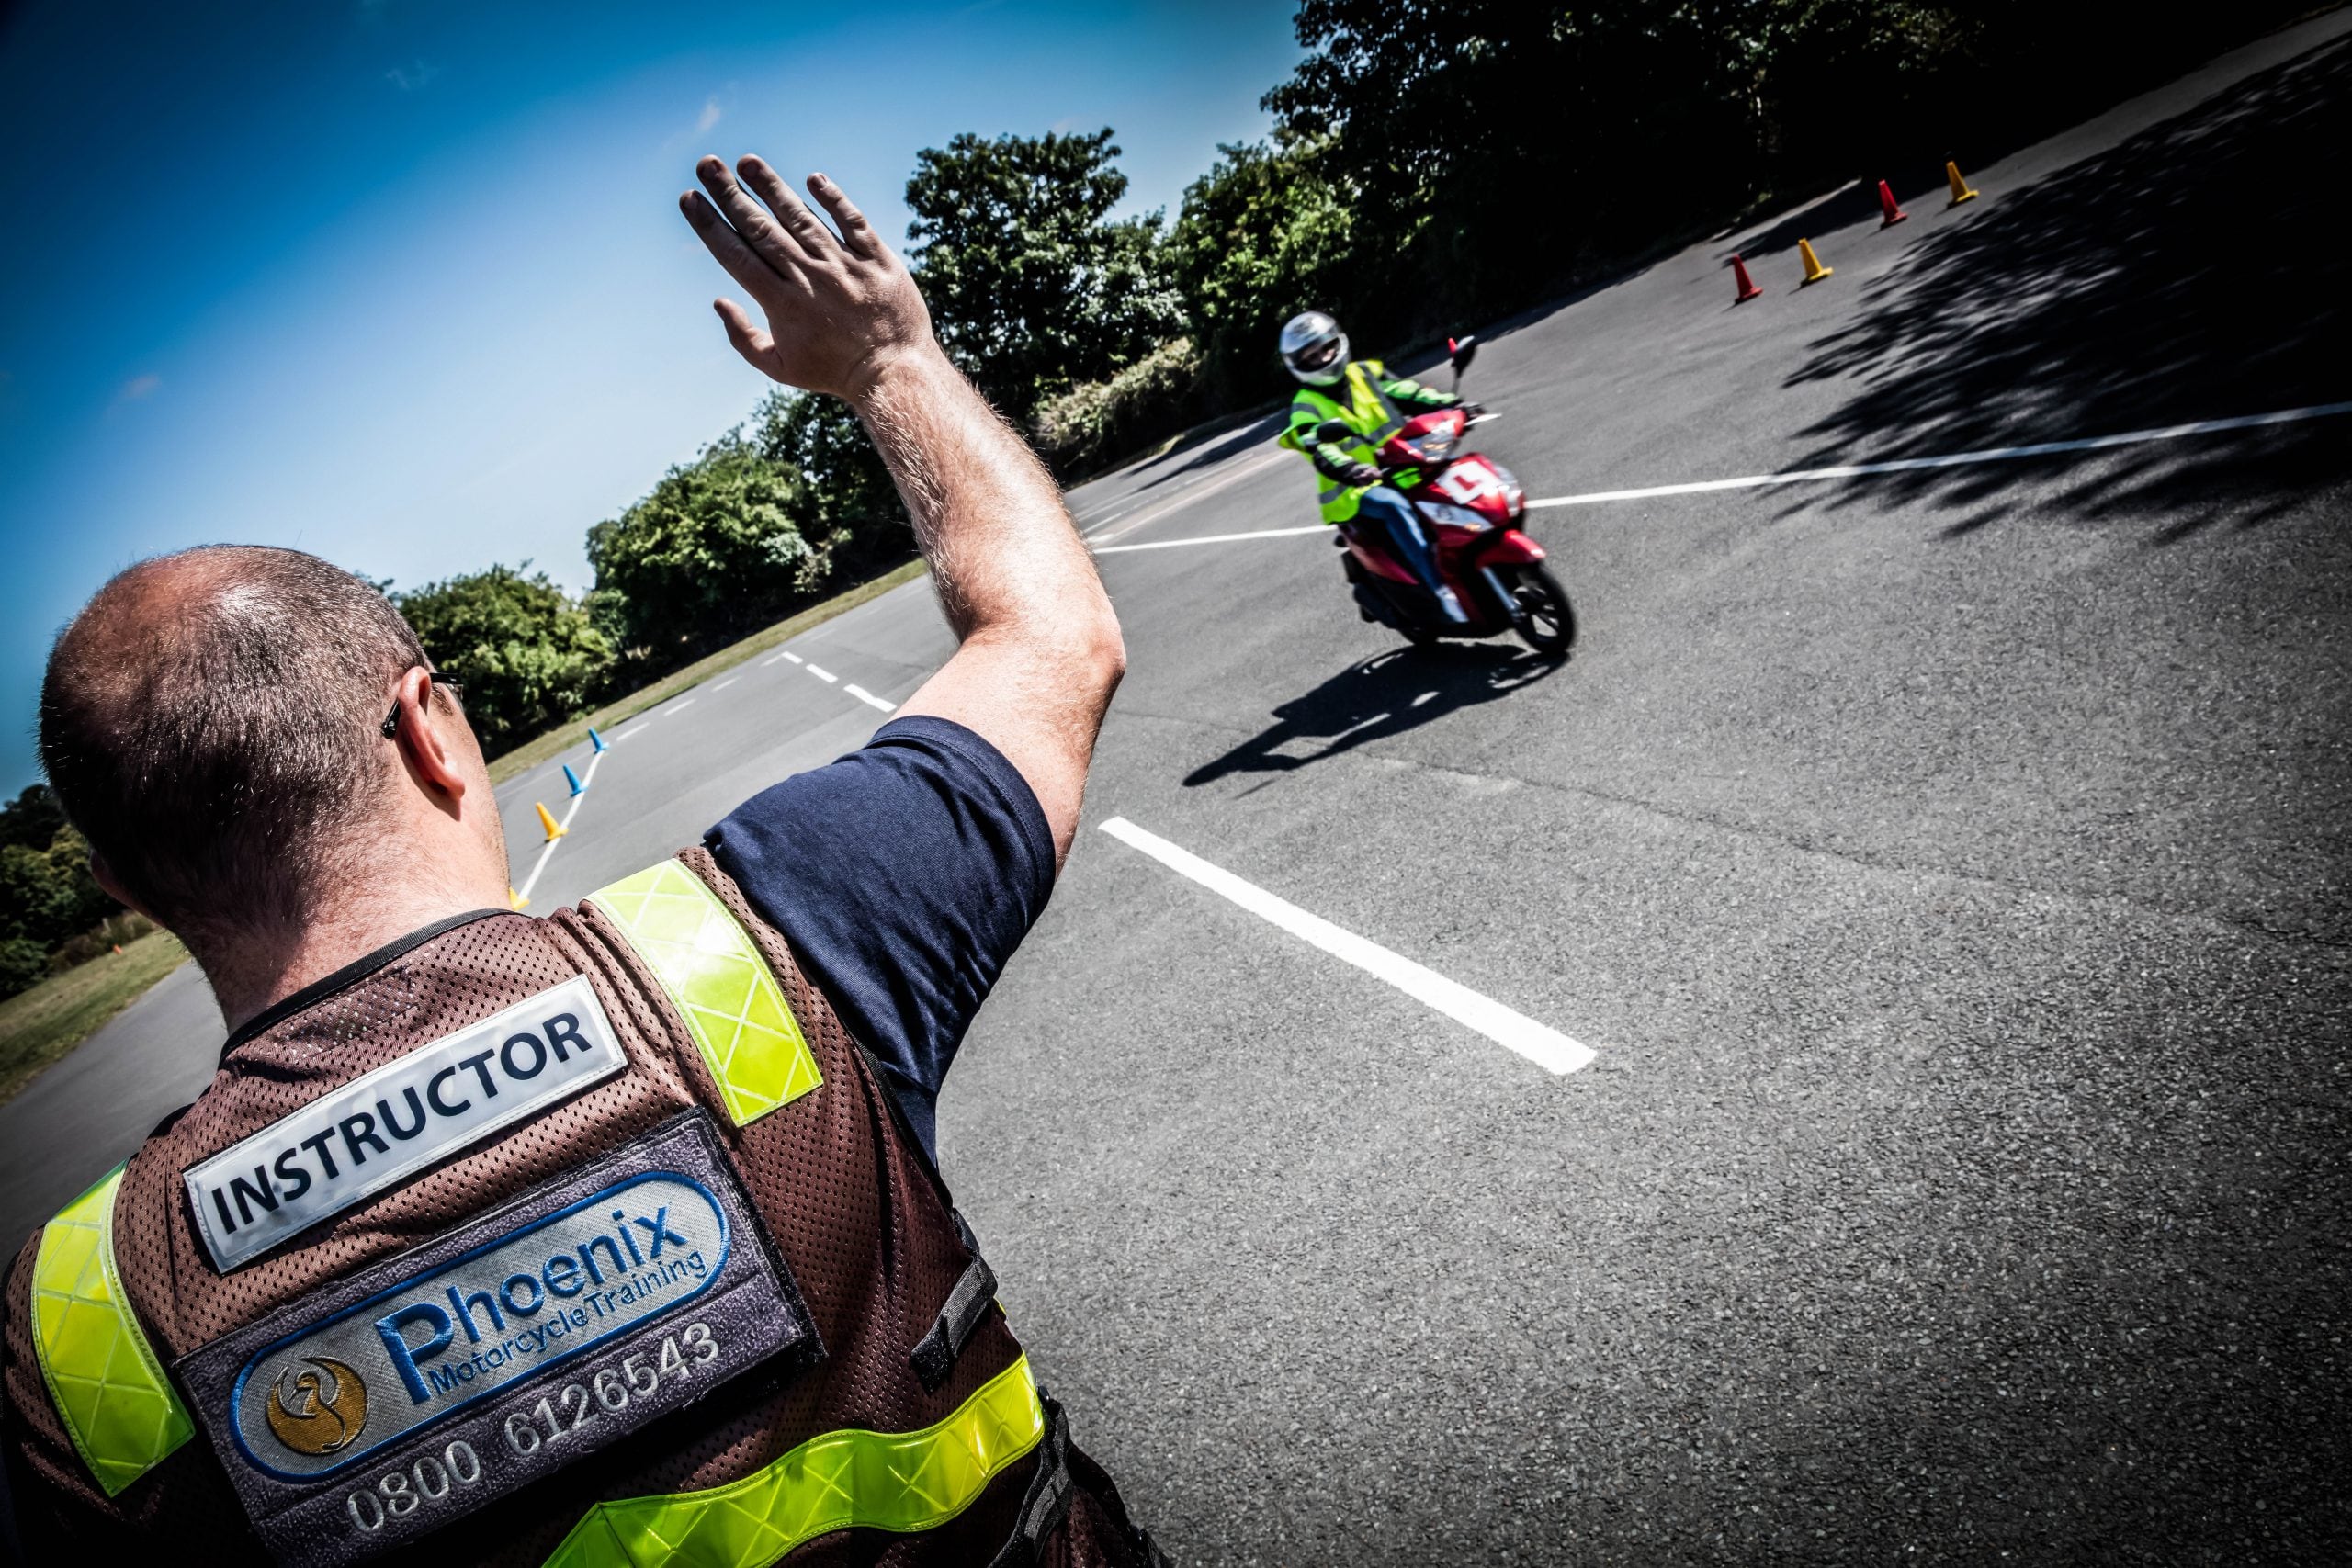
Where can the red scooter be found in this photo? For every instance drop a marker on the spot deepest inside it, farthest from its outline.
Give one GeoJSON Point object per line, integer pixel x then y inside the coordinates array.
{"type": "Point", "coordinates": [1471, 507]}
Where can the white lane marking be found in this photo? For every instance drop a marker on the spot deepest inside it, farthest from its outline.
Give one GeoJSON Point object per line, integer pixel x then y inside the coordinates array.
{"type": "Point", "coordinates": [632, 729]}
{"type": "Point", "coordinates": [1950, 460]}
{"type": "Point", "coordinates": [1548, 1048]}
{"type": "Point", "coordinates": [1216, 539]}
{"type": "Point", "coordinates": [825, 676]}
{"type": "Point", "coordinates": [869, 699]}
{"type": "Point", "coordinates": [772, 658]}
{"type": "Point", "coordinates": [572, 811]}
{"type": "Point", "coordinates": [674, 707]}
{"type": "Point", "coordinates": [726, 682]}
{"type": "Point", "coordinates": [1190, 493]}
{"type": "Point", "coordinates": [794, 656]}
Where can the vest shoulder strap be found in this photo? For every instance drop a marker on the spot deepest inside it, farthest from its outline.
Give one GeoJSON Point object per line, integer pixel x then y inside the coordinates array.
{"type": "Point", "coordinates": [103, 1375]}
{"type": "Point", "coordinates": [850, 1479]}
{"type": "Point", "coordinates": [720, 984]}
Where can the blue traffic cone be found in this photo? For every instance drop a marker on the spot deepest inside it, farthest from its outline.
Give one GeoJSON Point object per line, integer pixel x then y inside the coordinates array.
{"type": "Point", "coordinates": [573, 779]}
{"type": "Point", "coordinates": [598, 741]}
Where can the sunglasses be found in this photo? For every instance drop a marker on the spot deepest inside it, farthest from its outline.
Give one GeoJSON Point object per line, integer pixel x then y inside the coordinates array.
{"type": "Point", "coordinates": [432, 678]}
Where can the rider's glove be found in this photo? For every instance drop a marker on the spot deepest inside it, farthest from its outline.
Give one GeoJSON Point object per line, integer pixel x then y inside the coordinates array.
{"type": "Point", "coordinates": [1362, 474]}
{"type": "Point", "coordinates": [1472, 411]}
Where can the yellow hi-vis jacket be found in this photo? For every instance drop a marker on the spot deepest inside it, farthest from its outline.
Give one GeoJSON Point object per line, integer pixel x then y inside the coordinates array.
{"type": "Point", "coordinates": [1369, 409]}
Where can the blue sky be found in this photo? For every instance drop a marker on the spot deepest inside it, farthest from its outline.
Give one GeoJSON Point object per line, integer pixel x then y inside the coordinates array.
{"type": "Point", "coordinates": [402, 282]}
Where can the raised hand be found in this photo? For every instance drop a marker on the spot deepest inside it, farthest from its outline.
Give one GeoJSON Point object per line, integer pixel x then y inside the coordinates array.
{"type": "Point", "coordinates": [841, 309]}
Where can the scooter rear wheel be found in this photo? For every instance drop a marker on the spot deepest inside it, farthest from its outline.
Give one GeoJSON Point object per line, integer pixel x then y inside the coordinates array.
{"type": "Point", "coordinates": [1547, 622]}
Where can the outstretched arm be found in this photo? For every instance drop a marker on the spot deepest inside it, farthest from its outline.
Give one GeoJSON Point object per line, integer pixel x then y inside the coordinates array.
{"type": "Point", "coordinates": [1041, 652]}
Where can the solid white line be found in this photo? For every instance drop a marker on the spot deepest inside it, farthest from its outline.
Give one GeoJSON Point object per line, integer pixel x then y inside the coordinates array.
{"type": "Point", "coordinates": [1164, 504]}
{"type": "Point", "coordinates": [1950, 460]}
{"type": "Point", "coordinates": [1548, 1048]}
{"type": "Point", "coordinates": [823, 674]}
{"type": "Point", "coordinates": [587, 778]}
{"type": "Point", "coordinates": [862, 695]}
{"type": "Point", "coordinates": [1216, 539]}
{"type": "Point", "coordinates": [726, 682]}
{"type": "Point", "coordinates": [794, 656]}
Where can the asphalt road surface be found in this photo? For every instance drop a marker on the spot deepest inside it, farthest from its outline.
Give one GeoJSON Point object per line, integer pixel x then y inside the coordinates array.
{"type": "Point", "coordinates": [1945, 870]}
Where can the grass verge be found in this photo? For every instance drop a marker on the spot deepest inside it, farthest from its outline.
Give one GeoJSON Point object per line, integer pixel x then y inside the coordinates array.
{"type": "Point", "coordinates": [554, 742]}
{"type": "Point", "coordinates": [40, 1025]}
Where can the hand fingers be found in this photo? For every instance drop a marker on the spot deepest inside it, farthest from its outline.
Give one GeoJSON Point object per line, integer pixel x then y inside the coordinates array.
{"type": "Point", "coordinates": [765, 237]}
{"type": "Point", "coordinates": [815, 240]}
{"type": "Point", "coordinates": [753, 271]}
{"type": "Point", "coordinates": [750, 342]}
{"type": "Point", "coordinates": [857, 234]}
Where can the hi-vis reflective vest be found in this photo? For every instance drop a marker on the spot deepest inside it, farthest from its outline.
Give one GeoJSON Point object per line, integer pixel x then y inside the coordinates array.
{"type": "Point", "coordinates": [1367, 411]}
{"type": "Point", "coordinates": [594, 1241]}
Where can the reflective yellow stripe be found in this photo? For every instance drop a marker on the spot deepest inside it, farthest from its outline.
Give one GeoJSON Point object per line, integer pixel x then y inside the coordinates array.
{"type": "Point", "coordinates": [720, 985]}
{"type": "Point", "coordinates": [109, 1389]}
{"type": "Point", "coordinates": [889, 1480]}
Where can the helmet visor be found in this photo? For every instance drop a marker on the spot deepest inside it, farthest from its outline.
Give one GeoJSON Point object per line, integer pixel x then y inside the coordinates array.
{"type": "Point", "coordinates": [1317, 356]}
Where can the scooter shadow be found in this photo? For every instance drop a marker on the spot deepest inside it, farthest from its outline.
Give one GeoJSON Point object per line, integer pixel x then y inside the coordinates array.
{"type": "Point", "coordinates": [1387, 694]}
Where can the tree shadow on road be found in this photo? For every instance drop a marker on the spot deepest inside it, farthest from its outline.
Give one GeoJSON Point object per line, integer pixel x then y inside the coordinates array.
{"type": "Point", "coordinates": [2192, 272]}
{"type": "Point", "coordinates": [1381, 696]}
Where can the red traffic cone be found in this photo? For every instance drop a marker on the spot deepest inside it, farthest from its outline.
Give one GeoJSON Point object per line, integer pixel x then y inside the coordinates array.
{"type": "Point", "coordinates": [1747, 290]}
{"type": "Point", "coordinates": [1889, 214]}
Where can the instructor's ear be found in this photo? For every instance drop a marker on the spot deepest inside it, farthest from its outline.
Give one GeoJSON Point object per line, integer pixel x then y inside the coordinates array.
{"type": "Point", "coordinates": [432, 758]}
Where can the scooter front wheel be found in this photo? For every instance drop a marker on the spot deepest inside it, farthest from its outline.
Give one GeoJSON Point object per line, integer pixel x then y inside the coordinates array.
{"type": "Point", "coordinates": [1546, 621]}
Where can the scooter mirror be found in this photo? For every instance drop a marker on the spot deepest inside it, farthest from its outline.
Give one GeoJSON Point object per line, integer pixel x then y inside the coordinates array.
{"type": "Point", "coordinates": [1464, 351]}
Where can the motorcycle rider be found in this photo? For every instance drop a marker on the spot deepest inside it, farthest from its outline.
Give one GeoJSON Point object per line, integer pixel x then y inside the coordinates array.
{"type": "Point", "coordinates": [1360, 394]}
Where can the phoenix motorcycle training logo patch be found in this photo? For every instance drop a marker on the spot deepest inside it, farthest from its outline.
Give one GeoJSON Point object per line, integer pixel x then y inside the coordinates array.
{"type": "Point", "coordinates": [327, 1409]}
{"type": "Point", "coordinates": [389, 1403]}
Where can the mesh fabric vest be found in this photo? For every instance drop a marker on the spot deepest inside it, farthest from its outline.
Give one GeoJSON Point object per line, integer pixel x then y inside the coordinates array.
{"type": "Point", "coordinates": [99, 1450]}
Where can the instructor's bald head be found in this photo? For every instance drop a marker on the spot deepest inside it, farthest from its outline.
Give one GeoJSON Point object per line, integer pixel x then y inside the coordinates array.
{"type": "Point", "coordinates": [210, 721]}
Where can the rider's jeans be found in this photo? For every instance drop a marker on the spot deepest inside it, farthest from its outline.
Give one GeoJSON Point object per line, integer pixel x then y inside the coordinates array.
{"type": "Point", "coordinates": [1393, 515]}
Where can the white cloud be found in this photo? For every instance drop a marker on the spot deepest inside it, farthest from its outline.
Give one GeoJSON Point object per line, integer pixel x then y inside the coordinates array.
{"type": "Point", "coordinates": [409, 77]}
{"type": "Point", "coordinates": [710, 116]}
{"type": "Point", "coordinates": [140, 388]}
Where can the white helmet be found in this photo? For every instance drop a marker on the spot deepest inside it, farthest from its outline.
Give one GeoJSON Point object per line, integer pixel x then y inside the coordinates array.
{"type": "Point", "coordinates": [1314, 348]}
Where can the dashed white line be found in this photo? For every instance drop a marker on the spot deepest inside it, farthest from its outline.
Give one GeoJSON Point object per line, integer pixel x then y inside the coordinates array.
{"type": "Point", "coordinates": [1546, 1047]}
{"type": "Point", "coordinates": [570, 811]}
{"type": "Point", "coordinates": [794, 656]}
{"type": "Point", "coordinates": [726, 682]}
{"type": "Point", "coordinates": [1950, 460]}
{"type": "Point", "coordinates": [632, 729]}
{"type": "Point", "coordinates": [1215, 539]}
{"type": "Point", "coordinates": [674, 707]}
{"type": "Point", "coordinates": [825, 676]}
{"type": "Point", "coordinates": [869, 699]}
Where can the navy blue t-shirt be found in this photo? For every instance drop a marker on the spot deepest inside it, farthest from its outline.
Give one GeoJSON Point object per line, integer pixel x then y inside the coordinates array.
{"type": "Point", "coordinates": [903, 875]}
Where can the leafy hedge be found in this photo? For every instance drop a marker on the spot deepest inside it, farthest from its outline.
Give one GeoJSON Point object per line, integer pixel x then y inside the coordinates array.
{"type": "Point", "coordinates": [1091, 424]}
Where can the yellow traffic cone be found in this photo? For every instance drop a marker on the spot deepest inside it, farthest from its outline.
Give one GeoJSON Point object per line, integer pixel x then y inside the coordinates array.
{"type": "Point", "coordinates": [547, 820]}
{"type": "Point", "coordinates": [1960, 191]}
{"type": "Point", "coordinates": [1813, 273]}
{"type": "Point", "coordinates": [515, 900]}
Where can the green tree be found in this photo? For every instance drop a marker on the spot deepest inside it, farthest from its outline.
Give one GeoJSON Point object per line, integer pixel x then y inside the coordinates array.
{"type": "Point", "coordinates": [46, 895]}
{"type": "Point", "coordinates": [1492, 146]}
{"type": "Point", "coordinates": [1031, 286]}
{"type": "Point", "coordinates": [845, 487]}
{"type": "Point", "coordinates": [714, 552]}
{"type": "Point", "coordinates": [527, 656]}
{"type": "Point", "coordinates": [1264, 234]}
{"type": "Point", "coordinates": [33, 818]}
